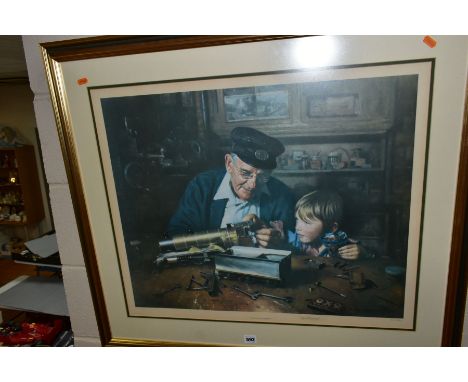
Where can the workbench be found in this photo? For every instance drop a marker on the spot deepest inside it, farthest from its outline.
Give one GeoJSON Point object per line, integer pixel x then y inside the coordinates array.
{"type": "Point", "coordinates": [383, 296]}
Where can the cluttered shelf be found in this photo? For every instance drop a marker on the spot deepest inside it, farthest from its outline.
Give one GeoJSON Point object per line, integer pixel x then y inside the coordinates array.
{"type": "Point", "coordinates": [20, 197]}
{"type": "Point", "coordinates": [343, 171]}
{"type": "Point", "coordinates": [12, 222]}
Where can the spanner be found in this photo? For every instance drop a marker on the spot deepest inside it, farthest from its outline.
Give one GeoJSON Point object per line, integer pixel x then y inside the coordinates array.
{"type": "Point", "coordinates": [287, 298]}
{"type": "Point", "coordinates": [319, 284]}
{"type": "Point", "coordinates": [253, 296]}
{"type": "Point", "coordinates": [160, 294]}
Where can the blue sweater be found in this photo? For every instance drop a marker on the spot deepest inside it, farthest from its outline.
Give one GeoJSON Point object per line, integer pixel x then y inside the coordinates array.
{"type": "Point", "coordinates": [197, 211]}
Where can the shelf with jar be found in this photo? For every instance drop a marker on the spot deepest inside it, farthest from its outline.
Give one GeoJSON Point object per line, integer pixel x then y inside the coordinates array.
{"type": "Point", "coordinates": [20, 192]}
{"type": "Point", "coordinates": [325, 171]}
{"type": "Point", "coordinates": [337, 153]}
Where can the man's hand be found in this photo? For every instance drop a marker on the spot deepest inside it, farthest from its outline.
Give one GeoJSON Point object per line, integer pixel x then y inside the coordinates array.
{"type": "Point", "coordinates": [266, 236]}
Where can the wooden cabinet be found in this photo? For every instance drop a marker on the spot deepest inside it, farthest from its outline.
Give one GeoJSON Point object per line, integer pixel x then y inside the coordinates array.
{"type": "Point", "coordinates": [20, 193]}
{"type": "Point", "coordinates": [353, 106]}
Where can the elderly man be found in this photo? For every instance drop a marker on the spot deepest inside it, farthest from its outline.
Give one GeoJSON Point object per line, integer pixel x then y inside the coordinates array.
{"type": "Point", "coordinates": [244, 188]}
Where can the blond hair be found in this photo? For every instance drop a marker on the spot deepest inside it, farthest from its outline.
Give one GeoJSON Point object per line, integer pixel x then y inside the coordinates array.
{"type": "Point", "coordinates": [322, 205]}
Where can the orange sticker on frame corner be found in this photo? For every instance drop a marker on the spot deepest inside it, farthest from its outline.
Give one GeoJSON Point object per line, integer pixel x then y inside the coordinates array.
{"type": "Point", "coordinates": [429, 41]}
{"type": "Point", "coordinates": [82, 81]}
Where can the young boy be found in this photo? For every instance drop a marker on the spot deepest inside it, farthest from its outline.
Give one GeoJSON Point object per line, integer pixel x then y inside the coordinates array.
{"type": "Point", "coordinates": [317, 216]}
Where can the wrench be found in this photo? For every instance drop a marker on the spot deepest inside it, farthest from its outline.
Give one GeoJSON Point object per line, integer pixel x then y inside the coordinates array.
{"type": "Point", "coordinates": [160, 294]}
{"type": "Point", "coordinates": [253, 296]}
{"type": "Point", "coordinates": [287, 298]}
{"type": "Point", "coordinates": [319, 284]}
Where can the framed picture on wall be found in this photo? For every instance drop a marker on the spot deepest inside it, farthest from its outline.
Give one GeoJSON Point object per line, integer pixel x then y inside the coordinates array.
{"type": "Point", "coordinates": [333, 106]}
{"type": "Point", "coordinates": [253, 104]}
{"type": "Point", "coordinates": [202, 197]}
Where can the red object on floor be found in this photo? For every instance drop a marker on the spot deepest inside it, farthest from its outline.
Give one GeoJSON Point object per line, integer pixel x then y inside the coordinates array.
{"type": "Point", "coordinates": [31, 333]}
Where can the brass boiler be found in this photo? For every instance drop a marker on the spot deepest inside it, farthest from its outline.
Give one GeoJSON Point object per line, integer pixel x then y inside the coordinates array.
{"type": "Point", "coordinates": [225, 237]}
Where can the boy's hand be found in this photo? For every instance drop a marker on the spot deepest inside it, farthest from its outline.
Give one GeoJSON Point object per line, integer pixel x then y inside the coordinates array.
{"type": "Point", "coordinates": [349, 252]}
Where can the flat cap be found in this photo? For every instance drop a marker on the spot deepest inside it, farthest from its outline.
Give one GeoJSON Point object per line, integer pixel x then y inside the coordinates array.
{"type": "Point", "coordinates": [256, 148]}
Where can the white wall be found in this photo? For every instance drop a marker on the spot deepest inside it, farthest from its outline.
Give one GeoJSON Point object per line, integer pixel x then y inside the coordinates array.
{"type": "Point", "coordinates": [74, 273]}
{"type": "Point", "coordinates": [77, 290]}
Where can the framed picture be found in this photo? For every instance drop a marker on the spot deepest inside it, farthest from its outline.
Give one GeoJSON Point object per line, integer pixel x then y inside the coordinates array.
{"type": "Point", "coordinates": [170, 263]}
{"type": "Point", "coordinates": [254, 104]}
{"type": "Point", "coordinates": [333, 106]}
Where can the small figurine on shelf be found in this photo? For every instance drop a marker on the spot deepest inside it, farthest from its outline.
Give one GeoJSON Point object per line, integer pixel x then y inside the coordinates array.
{"type": "Point", "coordinates": [8, 137]}
{"type": "Point", "coordinates": [5, 161]}
{"type": "Point", "coordinates": [335, 159]}
{"type": "Point", "coordinates": [359, 159]}
{"type": "Point", "coordinates": [13, 216]}
{"type": "Point", "coordinates": [316, 161]}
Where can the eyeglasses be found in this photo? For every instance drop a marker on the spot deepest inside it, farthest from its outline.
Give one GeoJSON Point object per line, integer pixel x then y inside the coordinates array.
{"type": "Point", "coordinates": [262, 177]}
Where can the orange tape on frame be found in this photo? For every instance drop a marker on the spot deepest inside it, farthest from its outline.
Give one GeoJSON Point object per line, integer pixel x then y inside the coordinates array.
{"type": "Point", "coordinates": [82, 81]}
{"type": "Point", "coordinates": [429, 41]}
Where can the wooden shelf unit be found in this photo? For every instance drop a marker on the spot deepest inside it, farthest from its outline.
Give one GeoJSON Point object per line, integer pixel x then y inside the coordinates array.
{"type": "Point", "coordinates": [20, 163]}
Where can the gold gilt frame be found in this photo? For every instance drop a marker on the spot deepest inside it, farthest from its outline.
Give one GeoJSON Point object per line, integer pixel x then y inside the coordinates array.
{"type": "Point", "coordinates": [114, 48]}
